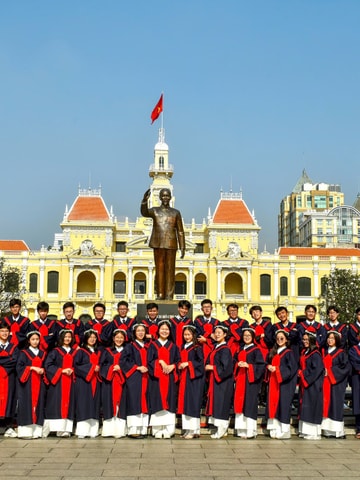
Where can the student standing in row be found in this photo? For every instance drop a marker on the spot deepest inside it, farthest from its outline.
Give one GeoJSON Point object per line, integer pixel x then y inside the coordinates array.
{"type": "Point", "coordinates": [163, 357]}
{"type": "Point", "coordinates": [219, 367]}
{"type": "Point", "coordinates": [191, 385]}
{"type": "Point", "coordinates": [31, 389]}
{"type": "Point", "coordinates": [60, 400]}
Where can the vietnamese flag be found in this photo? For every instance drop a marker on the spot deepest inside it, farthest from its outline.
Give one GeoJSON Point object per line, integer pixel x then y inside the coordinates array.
{"type": "Point", "coordinates": [157, 110]}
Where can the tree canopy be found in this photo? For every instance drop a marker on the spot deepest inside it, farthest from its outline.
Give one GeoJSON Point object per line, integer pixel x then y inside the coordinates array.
{"type": "Point", "coordinates": [10, 286]}
{"type": "Point", "coordinates": [341, 288]}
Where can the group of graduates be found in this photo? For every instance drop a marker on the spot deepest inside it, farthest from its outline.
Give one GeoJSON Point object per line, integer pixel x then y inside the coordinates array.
{"type": "Point", "coordinates": [61, 375]}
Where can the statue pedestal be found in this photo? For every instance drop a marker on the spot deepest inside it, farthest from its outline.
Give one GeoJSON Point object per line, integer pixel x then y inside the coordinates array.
{"type": "Point", "coordinates": [167, 309]}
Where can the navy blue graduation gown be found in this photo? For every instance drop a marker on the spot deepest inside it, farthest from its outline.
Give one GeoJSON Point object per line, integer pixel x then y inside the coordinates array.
{"type": "Point", "coordinates": [113, 385]}
{"type": "Point", "coordinates": [87, 385]}
{"type": "Point", "coordinates": [134, 355]}
{"type": "Point", "coordinates": [162, 387]}
{"type": "Point", "coordinates": [338, 369]}
{"type": "Point", "coordinates": [8, 359]}
{"type": "Point", "coordinates": [191, 381]}
{"type": "Point", "coordinates": [248, 381]}
{"type": "Point", "coordinates": [221, 383]}
{"type": "Point", "coordinates": [31, 388]}
{"type": "Point", "coordinates": [60, 399]}
{"type": "Point", "coordinates": [311, 376]}
{"type": "Point", "coordinates": [48, 331]}
{"type": "Point", "coordinates": [354, 359]}
{"type": "Point", "coordinates": [76, 326]}
{"type": "Point", "coordinates": [282, 384]}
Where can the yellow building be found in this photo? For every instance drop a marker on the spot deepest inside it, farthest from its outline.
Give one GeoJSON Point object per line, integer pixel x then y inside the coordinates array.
{"type": "Point", "coordinates": [97, 258]}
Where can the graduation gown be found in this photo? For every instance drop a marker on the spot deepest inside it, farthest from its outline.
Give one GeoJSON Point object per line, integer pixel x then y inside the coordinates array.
{"type": "Point", "coordinates": [8, 359]}
{"type": "Point", "coordinates": [282, 384]}
{"type": "Point", "coordinates": [320, 332]}
{"type": "Point", "coordinates": [97, 326]}
{"type": "Point", "coordinates": [342, 328]}
{"type": "Point", "coordinates": [60, 399]}
{"type": "Point", "coordinates": [338, 368]}
{"type": "Point", "coordinates": [18, 330]}
{"type": "Point", "coordinates": [221, 383]}
{"type": "Point", "coordinates": [162, 387]}
{"type": "Point", "coordinates": [266, 342]}
{"type": "Point", "coordinates": [76, 326]}
{"type": "Point", "coordinates": [133, 356]}
{"type": "Point", "coordinates": [31, 388]}
{"type": "Point", "coordinates": [235, 332]}
{"type": "Point", "coordinates": [352, 334]}
{"type": "Point", "coordinates": [354, 359]}
{"type": "Point", "coordinates": [294, 336]}
{"type": "Point", "coordinates": [113, 385]}
{"type": "Point", "coordinates": [311, 379]}
{"type": "Point", "coordinates": [117, 323]}
{"type": "Point", "coordinates": [47, 330]}
{"type": "Point", "coordinates": [205, 328]}
{"type": "Point", "coordinates": [248, 381]}
{"type": "Point", "coordinates": [192, 379]}
{"type": "Point", "coordinates": [87, 385]}
{"type": "Point", "coordinates": [176, 328]}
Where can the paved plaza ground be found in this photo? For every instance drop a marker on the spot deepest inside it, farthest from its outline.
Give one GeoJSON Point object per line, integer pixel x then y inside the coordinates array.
{"type": "Point", "coordinates": [204, 458]}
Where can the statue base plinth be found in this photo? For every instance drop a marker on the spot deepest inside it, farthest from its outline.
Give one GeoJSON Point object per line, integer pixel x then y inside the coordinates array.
{"type": "Point", "coordinates": [167, 309]}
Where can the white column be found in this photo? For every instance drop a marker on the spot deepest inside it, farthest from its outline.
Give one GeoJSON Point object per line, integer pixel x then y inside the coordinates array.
{"type": "Point", "coordinates": [249, 293]}
{"type": "Point", "coordinates": [316, 279]}
{"type": "Point", "coordinates": [71, 281]}
{"type": "Point", "coordinates": [191, 283]}
{"type": "Point", "coordinates": [102, 281]}
{"type": "Point", "coordinates": [276, 281]}
{"type": "Point", "coordinates": [219, 283]}
{"type": "Point", "coordinates": [150, 285]}
{"type": "Point", "coordinates": [292, 279]}
{"type": "Point", "coordinates": [41, 279]}
{"type": "Point", "coordinates": [129, 283]}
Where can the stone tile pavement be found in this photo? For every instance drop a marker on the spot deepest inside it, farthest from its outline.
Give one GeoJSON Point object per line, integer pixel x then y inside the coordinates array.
{"type": "Point", "coordinates": [204, 458]}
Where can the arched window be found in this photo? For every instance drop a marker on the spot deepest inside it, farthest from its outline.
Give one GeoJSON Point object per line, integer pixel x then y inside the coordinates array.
{"type": "Point", "coordinates": [161, 163]}
{"type": "Point", "coordinates": [233, 284]}
{"type": "Point", "coordinates": [53, 282]}
{"type": "Point", "coordinates": [180, 284]}
{"type": "Point", "coordinates": [140, 283]}
{"type": "Point", "coordinates": [200, 284]}
{"type": "Point", "coordinates": [33, 281]}
{"type": "Point", "coordinates": [119, 285]}
{"type": "Point", "coordinates": [283, 286]}
{"type": "Point", "coordinates": [304, 287]}
{"type": "Point", "coordinates": [265, 284]}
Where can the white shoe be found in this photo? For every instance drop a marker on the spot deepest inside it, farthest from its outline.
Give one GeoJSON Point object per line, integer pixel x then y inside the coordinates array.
{"type": "Point", "coordinates": [166, 435]}
{"type": "Point", "coordinates": [312, 437]}
{"type": "Point", "coordinates": [10, 433]}
{"type": "Point", "coordinates": [283, 436]}
{"type": "Point", "coordinates": [158, 435]}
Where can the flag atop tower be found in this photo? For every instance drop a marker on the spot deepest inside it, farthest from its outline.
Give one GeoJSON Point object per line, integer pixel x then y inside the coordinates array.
{"type": "Point", "coordinates": [157, 110]}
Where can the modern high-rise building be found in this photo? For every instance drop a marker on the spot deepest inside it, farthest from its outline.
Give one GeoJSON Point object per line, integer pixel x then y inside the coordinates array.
{"type": "Point", "coordinates": [306, 198]}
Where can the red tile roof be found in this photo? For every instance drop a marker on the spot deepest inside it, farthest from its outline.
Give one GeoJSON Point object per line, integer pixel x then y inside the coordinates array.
{"type": "Point", "coordinates": [321, 252]}
{"type": "Point", "coordinates": [89, 208]}
{"type": "Point", "coordinates": [14, 245]}
{"type": "Point", "coordinates": [232, 211]}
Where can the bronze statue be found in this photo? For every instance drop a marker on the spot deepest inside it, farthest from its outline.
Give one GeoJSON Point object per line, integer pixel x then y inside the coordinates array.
{"type": "Point", "coordinates": [166, 237]}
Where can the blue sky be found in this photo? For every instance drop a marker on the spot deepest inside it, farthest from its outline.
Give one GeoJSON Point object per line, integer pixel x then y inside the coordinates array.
{"type": "Point", "coordinates": [254, 91]}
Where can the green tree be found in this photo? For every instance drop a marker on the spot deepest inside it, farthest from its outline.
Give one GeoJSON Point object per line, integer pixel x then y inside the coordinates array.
{"type": "Point", "coordinates": [10, 286]}
{"type": "Point", "coordinates": [341, 288]}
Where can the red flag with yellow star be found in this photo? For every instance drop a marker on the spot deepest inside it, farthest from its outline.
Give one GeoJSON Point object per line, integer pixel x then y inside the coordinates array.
{"type": "Point", "coordinates": [157, 110]}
